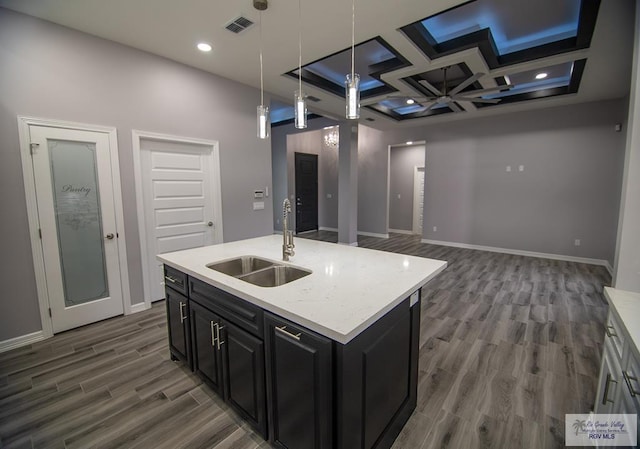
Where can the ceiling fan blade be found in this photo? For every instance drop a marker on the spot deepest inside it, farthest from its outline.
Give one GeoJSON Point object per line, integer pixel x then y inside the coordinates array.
{"type": "Point", "coordinates": [488, 90]}
{"type": "Point", "coordinates": [472, 79]}
{"type": "Point", "coordinates": [429, 104]}
{"type": "Point", "coordinates": [430, 88]}
{"type": "Point", "coordinates": [454, 107]}
{"type": "Point", "coordinates": [478, 100]}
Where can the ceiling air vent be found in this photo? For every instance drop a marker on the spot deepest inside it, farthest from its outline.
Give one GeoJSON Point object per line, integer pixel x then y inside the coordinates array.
{"type": "Point", "coordinates": [312, 98]}
{"type": "Point", "coordinates": [238, 25]}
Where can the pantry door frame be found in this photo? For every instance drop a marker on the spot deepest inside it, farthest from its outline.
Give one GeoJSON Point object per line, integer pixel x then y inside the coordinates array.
{"type": "Point", "coordinates": [24, 122]}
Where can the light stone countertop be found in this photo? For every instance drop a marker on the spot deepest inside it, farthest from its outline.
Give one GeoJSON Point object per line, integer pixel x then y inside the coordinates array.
{"type": "Point", "coordinates": [626, 306]}
{"type": "Point", "coordinates": [350, 288]}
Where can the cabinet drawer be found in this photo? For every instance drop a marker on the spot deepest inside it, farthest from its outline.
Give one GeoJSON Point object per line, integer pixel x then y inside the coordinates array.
{"type": "Point", "coordinates": [239, 312]}
{"type": "Point", "coordinates": [614, 333]}
{"type": "Point", "coordinates": [631, 377]}
{"type": "Point", "coordinates": [175, 279]}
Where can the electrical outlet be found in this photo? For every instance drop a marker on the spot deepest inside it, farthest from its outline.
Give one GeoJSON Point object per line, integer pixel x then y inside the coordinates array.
{"type": "Point", "coordinates": [576, 242]}
{"type": "Point", "coordinates": [398, 196]}
{"type": "Point", "coordinates": [435, 229]}
{"type": "Point", "coordinates": [521, 168]}
{"type": "Point", "coordinates": [508, 167]}
{"type": "Point", "coordinates": [329, 195]}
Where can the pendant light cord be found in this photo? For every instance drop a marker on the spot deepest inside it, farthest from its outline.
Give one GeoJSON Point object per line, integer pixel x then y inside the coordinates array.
{"type": "Point", "coordinates": [353, 36]}
{"type": "Point", "coordinates": [261, 81]}
{"type": "Point", "coordinates": [300, 47]}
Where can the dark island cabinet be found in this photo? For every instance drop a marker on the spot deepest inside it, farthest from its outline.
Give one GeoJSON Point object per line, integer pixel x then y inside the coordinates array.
{"type": "Point", "coordinates": [178, 324]}
{"type": "Point", "coordinates": [295, 387]}
{"type": "Point", "coordinates": [231, 361]}
{"type": "Point", "coordinates": [300, 380]}
{"type": "Point", "coordinates": [206, 356]}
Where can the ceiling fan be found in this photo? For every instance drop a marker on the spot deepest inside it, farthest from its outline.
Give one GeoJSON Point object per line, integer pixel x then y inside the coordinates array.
{"type": "Point", "coordinates": [450, 97]}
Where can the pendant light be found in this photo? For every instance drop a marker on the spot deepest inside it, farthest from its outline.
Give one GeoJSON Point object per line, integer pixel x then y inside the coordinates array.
{"type": "Point", "coordinates": [264, 123]}
{"type": "Point", "coordinates": [352, 82]}
{"type": "Point", "coordinates": [299, 97]}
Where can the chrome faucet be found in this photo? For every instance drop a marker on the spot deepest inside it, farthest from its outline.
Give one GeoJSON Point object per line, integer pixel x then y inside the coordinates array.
{"type": "Point", "coordinates": [287, 236]}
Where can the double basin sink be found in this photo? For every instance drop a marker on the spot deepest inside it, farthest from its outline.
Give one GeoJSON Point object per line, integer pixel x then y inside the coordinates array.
{"type": "Point", "coordinates": [259, 271]}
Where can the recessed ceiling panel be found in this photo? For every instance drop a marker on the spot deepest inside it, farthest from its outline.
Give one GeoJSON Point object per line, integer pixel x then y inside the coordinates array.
{"type": "Point", "coordinates": [372, 58]}
{"type": "Point", "coordinates": [515, 25]}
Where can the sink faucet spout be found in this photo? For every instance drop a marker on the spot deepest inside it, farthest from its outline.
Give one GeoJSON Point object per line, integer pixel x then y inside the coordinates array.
{"type": "Point", "coordinates": [287, 236]}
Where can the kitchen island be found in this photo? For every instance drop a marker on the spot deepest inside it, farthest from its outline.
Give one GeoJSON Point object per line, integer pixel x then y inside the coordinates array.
{"type": "Point", "coordinates": [326, 360]}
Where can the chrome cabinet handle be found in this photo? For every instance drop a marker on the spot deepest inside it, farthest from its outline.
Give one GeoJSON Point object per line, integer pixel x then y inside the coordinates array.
{"type": "Point", "coordinates": [182, 316]}
{"type": "Point", "coordinates": [170, 279]}
{"type": "Point", "coordinates": [109, 236]}
{"type": "Point", "coordinates": [218, 340]}
{"type": "Point", "coordinates": [210, 224]}
{"type": "Point", "coordinates": [628, 379]}
{"type": "Point", "coordinates": [283, 330]}
{"type": "Point", "coordinates": [610, 331]}
{"type": "Point", "coordinates": [605, 396]}
{"type": "Point", "coordinates": [213, 334]}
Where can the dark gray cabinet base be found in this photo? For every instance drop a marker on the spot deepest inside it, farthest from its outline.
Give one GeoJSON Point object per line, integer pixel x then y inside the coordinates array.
{"type": "Point", "coordinates": [297, 388]}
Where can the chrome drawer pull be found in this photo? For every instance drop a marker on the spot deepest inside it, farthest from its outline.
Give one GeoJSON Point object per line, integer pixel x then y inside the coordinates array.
{"type": "Point", "coordinates": [213, 335]}
{"type": "Point", "coordinates": [170, 279]}
{"type": "Point", "coordinates": [609, 331]}
{"type": "Point", "coordinates": [605, 397]}
{"type": "Point", "coordinates": [628, 379]}
{"type": "Point", "coordinates": [182, 315]}
{"type": "Point", "coordinates": [286, 332]}
{"type": "Point", "coordinates": [218, 341]}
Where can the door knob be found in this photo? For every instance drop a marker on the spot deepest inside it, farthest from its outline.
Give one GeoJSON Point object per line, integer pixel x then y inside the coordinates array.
{"type": "Point", "coordinates": [109, 236]}
{"type": "Point", "coordinates": [210, 224]}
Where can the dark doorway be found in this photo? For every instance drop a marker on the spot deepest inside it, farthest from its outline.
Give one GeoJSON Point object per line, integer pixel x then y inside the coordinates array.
{"type": "Point", "coordinates": [306, 192]}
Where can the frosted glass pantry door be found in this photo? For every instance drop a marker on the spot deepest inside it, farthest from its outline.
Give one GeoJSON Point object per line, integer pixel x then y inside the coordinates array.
{"type": "Point", "coordinates": [77, 220]}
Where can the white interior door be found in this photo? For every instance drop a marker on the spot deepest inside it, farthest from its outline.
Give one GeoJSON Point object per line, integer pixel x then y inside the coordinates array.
{"type": "Point", "coordinates": [418, 200]}
{"type": "Point", "coordinates": [179, 195]}
{"type": "Point", "coordinates": [76, 214]}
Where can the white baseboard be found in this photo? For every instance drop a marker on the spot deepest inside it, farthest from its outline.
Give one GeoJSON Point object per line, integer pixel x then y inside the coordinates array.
{"type": "Point", "coordinates": [324, 228]}
{"type": "Point", "coordinates": [401, 231]}
{"type": "Point", "coordinates": [373, 234]}
{"type": "Point", "coordinates": [135, 308]}
{"type": "Point", "coordinates": [518, 252]}
{"type": "Point", "coordinates": [22, 340]}
{"type": "Point", "coordinates": [609, 268]}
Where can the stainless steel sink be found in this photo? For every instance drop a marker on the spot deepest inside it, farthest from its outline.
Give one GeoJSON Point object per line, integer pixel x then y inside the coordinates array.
{"type": "Point", "coordinates": [275, 276]}
{"type": "Point", "coordinates": [241, 265]}
{"type": "Point", "coordinates": [259, 271]}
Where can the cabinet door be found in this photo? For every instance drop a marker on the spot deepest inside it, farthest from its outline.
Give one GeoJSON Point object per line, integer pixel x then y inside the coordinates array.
{"type": "Point", "coordinates": [178, 324]}
{"type": "Point", "coordinates": [609, 384]}
{"type": "Point", "coordinates": [206, 356]}
{"type": "Point", "coordinates": [299, 386]}
{"type": "Point", "coordinates": [243, 364]}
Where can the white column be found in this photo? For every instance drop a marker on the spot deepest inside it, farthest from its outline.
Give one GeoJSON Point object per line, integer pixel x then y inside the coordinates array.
{"type": "Point", "coordinates": [627, 267]}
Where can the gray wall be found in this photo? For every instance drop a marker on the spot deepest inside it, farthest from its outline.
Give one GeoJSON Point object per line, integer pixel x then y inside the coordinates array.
{"type": "Point", "coordinates": [279, 162]}
{"type": "Point", "coordinates": [569, 188]}
{"type": "Point", "coordinates": [53, 72]}
{"type": "Point", "coordinates": [373, 181]}
{"type": "Point", "coordinates": [627, 268]}
{"type": "Point", "coordinates": [402, 162]}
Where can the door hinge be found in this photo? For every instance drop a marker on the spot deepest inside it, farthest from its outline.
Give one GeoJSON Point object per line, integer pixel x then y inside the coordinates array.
{"type": "Point", "coordinates": [40, 233]}
{"type": "Point", "coordinates": [50, 312]}
{"type": "Point", "coordinates": [33, 147]}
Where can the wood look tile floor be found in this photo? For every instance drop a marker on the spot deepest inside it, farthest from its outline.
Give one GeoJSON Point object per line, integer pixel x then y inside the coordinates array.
{"type": "Point", "coordinates": [508, 346]}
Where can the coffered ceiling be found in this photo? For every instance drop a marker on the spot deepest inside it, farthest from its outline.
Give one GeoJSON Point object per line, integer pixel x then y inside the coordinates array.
{"type": "Point", "coordinates": [584, 47]}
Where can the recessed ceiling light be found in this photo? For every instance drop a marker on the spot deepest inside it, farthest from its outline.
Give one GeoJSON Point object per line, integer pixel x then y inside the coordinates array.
{"type": "Point", "coordinates": [409, 143]}
{"type": "Point", "coordinates": [203, 46]}
{"type": "Point", "coordinates": [541, 76]}
{"type": "Point", "coordinates": [410, 101]}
